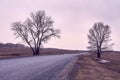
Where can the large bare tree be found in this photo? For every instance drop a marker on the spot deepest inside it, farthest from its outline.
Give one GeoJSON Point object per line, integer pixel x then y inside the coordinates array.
{"type": "Point", "coordinates": [35, 30]}
{"type": "Point", "coordinates": [99, 37]}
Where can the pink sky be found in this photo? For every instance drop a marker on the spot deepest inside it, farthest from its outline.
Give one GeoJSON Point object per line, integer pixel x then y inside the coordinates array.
{"type": "Point", "coordinates": [73, 17]}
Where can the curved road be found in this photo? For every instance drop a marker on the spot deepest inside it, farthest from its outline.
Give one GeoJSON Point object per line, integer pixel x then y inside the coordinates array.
{"type": "Point", "coordinates": [34, 68]}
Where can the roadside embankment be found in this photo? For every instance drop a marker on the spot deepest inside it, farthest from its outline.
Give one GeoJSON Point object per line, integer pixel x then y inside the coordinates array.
{"type": "Point", "coordinates": [88, 67]}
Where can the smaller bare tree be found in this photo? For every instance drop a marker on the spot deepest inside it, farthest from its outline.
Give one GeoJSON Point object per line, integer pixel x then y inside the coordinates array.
{"type": "Point", "coordinates": [99, 36]}
{"type": "Point", "coordinates": [36, 30]}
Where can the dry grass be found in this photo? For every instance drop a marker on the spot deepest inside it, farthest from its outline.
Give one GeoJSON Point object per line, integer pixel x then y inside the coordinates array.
{"type": "Point", "coordinates": [20, 52]}
{"type": "Point", "coordinates": [88, 68]}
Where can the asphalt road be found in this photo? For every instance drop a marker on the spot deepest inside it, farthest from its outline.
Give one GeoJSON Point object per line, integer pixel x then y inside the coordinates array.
{"type": "Point", "coordinates": [33, 68]}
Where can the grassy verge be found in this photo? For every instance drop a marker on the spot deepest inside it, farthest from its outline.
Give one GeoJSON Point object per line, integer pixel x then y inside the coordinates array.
{"type": "Point", "coordinates": [88, 68]}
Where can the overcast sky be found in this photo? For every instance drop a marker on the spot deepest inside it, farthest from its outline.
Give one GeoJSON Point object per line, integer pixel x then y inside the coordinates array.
{"type": "Point", "coordinates": [73, 17]}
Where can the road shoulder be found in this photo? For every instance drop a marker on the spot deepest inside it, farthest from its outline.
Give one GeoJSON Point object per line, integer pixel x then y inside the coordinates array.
{"type": "Point", "coordinates": [88, 68]}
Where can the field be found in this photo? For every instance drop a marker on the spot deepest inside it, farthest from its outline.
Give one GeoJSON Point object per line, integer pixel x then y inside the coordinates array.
{"type": "Point", "coordinates": [20, 52]}
{"type": "Point", "coordinates": [88, 67]}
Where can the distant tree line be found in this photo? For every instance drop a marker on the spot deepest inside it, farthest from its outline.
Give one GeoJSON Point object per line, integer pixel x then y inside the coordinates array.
{"type": "Point", "coordinates": [11, 45]}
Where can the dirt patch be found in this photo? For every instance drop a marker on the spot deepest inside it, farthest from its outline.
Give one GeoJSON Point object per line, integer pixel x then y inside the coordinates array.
{"type": "Point", "coordinates": [88, 68]}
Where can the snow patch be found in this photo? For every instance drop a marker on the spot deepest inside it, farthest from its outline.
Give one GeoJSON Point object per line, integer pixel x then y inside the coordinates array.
{"type": "Point", "coordinates": [103, 61]}
{"type": "Point", "coordinates": [84, 53]}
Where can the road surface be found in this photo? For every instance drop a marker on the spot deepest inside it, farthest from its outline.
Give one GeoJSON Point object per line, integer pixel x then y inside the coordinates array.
{"type": "Point", "coordinates": [34, 68]}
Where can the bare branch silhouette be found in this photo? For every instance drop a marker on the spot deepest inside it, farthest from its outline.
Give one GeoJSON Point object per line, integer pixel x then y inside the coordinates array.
{"type": "Point", "coordinates": [36, 30]}
{"type": "Point", "coordinates": [99, 36]}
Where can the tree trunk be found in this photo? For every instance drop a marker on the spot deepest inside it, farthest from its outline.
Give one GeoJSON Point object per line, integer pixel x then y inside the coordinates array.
{"type": "Point", "coordinates": [99, 53]}
{"type": "Point", "coordinates": [37, 51]}
{"type": "Point", "coordinates": [33, 51]}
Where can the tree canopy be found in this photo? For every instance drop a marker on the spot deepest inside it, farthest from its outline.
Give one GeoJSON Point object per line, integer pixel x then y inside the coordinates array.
{"type": "Point", "coordinates": [99, 38]}
{"type": "Point", "coordinates": [35, 30]}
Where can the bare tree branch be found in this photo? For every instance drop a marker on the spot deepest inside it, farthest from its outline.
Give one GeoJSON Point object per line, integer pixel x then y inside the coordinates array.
{"type": "Point", "coordinates": [35, 30]}
{"type": "Point", "coordinates": [99, 36]}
